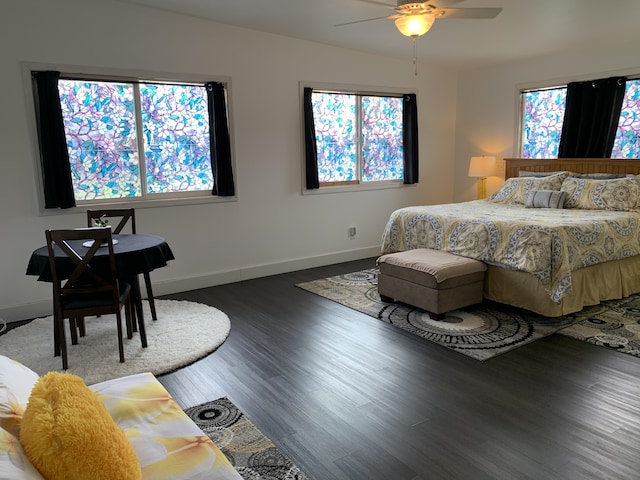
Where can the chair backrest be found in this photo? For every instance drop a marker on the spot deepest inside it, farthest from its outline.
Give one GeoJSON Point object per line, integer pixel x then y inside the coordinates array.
{"type": "Point", "coordinates": [85, 275]}
{"type": "Point", "coordinates": [123, 215]}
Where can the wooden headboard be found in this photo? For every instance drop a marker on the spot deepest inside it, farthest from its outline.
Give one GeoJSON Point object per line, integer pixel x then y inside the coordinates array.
{"type": "Point", "coordinates": [578, 165]}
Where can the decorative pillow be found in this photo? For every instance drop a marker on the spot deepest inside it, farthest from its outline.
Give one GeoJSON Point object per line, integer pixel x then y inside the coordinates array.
{"type": "Point", "coordinates": [14, 463]}
{"type": "Point", "coordinates": [16, 382]}
{"type": "Point", "coordinates": [546, 199]}
{"type": "Point", "coordinates": [589, 194]}
{"type": "Point", "coordinates": [599, 176]}
{"type": "Point", "coordinates": [67, 433]}
{"type": "Point", "coordinates": [527, 173]}
{"type": "Point", "coordinates": [516, 190]}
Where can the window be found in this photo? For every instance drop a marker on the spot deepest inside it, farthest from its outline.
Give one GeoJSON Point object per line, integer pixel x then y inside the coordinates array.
{"type": "Point", "coordinates": [131, 140]}
{"type": "Point", "coordinates": [543, 116]}
{"type": "Point", "coordinates": [103, 138]}
{"type": "Point", "coordinates": [627, 143]}
{"type": "Point", "coordinates": [360, 138]}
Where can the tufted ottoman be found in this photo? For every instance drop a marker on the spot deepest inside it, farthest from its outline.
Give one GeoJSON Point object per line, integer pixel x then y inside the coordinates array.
{"type": "Point", "coordinates": [433, 280]}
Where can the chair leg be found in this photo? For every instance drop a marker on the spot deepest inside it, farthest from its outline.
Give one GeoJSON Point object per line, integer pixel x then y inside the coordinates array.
{"type": "Point", "coordinates": [143, 330]}
{"type": "Point", "coordinates": [150, 299]}
{"type": "Point", "coordinates": [56, 335]}
{"type": "Point", "coordinates": [73, 330]}
{"type": "Point", "coordinates": [127, 320]}
{"type": "Point", "coordinates": [62, 341]}
{"type": "Point", "coordinates": [81, 326]}
{"type": "Point", "coordinates": [120, 341]}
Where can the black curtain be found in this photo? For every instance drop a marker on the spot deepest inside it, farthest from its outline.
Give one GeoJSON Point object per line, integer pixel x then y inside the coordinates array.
{"type": "Point", "coordinates": [591, 118]}
{"type": "Point", "coordinates": [410, 137]}
{"type": "Point", "coordinates": [56, 170]}
{"type": "Point", "coordinates": [223, 184]}
{"type": "Point", "coordinates": [310, 146]}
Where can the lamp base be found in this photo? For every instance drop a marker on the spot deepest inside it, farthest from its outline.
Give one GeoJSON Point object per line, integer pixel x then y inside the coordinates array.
{"type": "Point", "coordinates": [482, 188]}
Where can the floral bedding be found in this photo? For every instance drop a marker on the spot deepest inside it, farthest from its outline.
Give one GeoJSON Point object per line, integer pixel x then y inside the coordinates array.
{"type": "Point", "coordinates": [166, 441]}
{"type": "Point", "coordinates": [549, 243]}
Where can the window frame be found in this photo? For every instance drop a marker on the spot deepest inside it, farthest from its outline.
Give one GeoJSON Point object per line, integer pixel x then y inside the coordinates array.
{"type": "Point", "coordinates": [356, 185]}
{"type": "Point", "coordinates": [130, 76]}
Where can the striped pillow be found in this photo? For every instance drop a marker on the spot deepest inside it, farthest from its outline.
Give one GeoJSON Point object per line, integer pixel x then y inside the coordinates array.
{"type": "Point", "coordinates": [546, 199]}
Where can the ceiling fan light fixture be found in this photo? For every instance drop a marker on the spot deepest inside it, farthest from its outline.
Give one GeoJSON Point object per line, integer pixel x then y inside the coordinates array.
{"type": "Point", "coordinates": [414, 25]}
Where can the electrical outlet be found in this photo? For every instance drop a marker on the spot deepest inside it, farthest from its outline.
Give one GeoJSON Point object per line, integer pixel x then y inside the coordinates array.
{"type": "Point", "coordinates": [351, 232]}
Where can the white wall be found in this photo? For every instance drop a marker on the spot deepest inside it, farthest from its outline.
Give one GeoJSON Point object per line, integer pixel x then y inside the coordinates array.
{"type": "Point", "coordinates": [487, 99]}
{"type": "Point", "coordinates": [271, 228]}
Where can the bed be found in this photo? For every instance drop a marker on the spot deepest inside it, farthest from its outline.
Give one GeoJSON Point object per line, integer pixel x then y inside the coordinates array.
{"type": "Point", "coordinates": [552, 261]}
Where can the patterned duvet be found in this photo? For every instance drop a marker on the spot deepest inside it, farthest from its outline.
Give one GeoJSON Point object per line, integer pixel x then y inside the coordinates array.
{"type": "Point", "coordinates": [548, 243]}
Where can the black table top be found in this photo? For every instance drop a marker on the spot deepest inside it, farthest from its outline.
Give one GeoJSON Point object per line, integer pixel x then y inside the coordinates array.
{"type": "Point", "coordinates": [135, 254]}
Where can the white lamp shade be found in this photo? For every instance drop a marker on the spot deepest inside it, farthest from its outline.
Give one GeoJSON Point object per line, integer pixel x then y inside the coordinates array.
{"type": "Point", "coordinates": [482, 167]}
{"type": "Point", "coordinates": [414, 25]}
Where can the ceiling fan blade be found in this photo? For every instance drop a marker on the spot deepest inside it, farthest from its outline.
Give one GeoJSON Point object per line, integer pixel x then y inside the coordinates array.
{"type": "Point", "coordinates": [360, 21]}
{"type": "Point", "coordinates": [443, 3]}
{"type": "Point", "coordinates": [390, 4]}
{"type": "Point", "coordinates": [480, 13]}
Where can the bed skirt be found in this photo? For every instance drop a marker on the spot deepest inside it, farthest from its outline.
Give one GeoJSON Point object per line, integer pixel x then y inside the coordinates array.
{"type": "Point", "coordinates": [590, 285]}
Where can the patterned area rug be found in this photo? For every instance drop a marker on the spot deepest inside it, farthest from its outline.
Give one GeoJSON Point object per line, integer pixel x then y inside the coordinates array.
{"type": "Point", "coordinates": [614, 324]}
{"type": "Point", "coordinates": [482, 332]}
{"type": "Point", "coordinates": [252, 454]}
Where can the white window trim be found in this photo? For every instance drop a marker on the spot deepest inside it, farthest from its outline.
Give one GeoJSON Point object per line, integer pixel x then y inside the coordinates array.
{"type": "Point", "coordinates": [159, 200]}
{"type": "Point", "coordinates": [346, 88]}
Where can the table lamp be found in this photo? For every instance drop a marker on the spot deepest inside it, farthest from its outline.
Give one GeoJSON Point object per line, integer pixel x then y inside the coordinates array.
{"type": "Point", "coordinates": [481, 168]}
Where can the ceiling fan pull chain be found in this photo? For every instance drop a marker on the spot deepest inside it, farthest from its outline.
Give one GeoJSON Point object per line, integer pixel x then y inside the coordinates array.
{"type": "Point", "coordinates": [415, 55]}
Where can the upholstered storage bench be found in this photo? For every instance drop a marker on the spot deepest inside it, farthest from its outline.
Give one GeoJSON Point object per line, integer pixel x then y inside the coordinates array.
{"type": "Point", "coordinates": [433, 280]}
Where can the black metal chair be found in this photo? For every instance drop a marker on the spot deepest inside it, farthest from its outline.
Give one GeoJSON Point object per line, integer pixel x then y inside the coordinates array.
{"type": "Point", "coordinates": [124, 216]}
{"type": "Point", "coordinates": [85, 284]}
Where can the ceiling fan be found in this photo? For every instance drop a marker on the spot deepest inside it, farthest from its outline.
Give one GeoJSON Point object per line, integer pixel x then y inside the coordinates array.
{"type": "Point", "coordinates": [416, 18]}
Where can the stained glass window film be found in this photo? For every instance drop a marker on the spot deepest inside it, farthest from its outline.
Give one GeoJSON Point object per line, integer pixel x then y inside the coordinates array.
{"type": "Point", "coordinates": [542, 119]}
{"type": "Point", "coordinates": [627, 143]}
{"type": "Point", "coordinates": [382, 151]}
{"type": "Point", "coordinates": [543, 116]}
{"type": "Point", "coordinates": [99, 121]}
{"type": "Point", "coordinates": [176, 138]}
{"type": "Point", "coordinates": [336, 133]}
{"type": "Point", "coordinates": [102, 133]}
{"type": "Point", "coordinates": [358, 137]}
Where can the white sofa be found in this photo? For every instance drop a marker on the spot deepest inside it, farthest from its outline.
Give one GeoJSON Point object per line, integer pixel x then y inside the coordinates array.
{"type": "Point", "coordinates": [166, 441]}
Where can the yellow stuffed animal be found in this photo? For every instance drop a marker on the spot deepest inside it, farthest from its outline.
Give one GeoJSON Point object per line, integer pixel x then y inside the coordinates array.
{"type": "Point", "coordinates": [68, 433]}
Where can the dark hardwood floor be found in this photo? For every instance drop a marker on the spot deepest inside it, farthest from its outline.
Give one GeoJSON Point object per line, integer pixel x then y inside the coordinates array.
{"type": "Point", "coordinates": [347, 396]}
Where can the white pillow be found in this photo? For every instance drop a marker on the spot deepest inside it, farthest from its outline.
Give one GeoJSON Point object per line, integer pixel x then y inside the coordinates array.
{"type": "Point", "coordinates": [16, 382]}
{"type": "Point", "coordinates": [14, 463]}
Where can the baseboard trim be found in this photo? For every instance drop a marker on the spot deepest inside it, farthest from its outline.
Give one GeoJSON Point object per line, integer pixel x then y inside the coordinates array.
{"type": "Point", "coordinates": [176, 285]}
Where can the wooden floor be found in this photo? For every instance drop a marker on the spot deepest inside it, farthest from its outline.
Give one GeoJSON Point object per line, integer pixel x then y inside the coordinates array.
{"type": "Point", "coordinates": [347, 396]}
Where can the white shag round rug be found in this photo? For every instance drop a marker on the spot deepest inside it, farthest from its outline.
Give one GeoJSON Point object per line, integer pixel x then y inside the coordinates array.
{"type": "Point", "coordinates": [184, 332]}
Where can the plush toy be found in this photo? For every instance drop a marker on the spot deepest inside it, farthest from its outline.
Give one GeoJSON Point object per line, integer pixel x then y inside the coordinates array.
{"type": "Point", "coordinates": [67, 433]}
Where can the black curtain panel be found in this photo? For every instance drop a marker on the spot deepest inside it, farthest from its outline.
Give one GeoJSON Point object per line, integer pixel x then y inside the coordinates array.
{"type": "Point", "coordinates": [591, 118]}
{"type": "Point", "coordinates": [310, 146]}
{"type": "Point", "coordinates": [56, 170]}
{"type": "Point", "coordinates": [410, 137]}
{"type": "Point", "coordinates": [221, 166]}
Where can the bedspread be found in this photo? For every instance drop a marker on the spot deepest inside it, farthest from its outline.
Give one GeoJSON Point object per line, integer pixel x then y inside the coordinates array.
{"type": "Point", "coordinates": [548, 243]}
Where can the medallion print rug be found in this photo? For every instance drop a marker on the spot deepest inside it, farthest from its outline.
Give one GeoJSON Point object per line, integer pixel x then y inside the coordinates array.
{"type": "Point", "coordinates": [614, 324]}
{"type": "Point", "coordinates": [481, 331]}
{"type": "Point", "coordinates": [252, 454]}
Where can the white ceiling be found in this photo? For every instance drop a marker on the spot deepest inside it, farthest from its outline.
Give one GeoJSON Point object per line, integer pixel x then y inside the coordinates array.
{"type": "Point", "coordinates": [524, 28]}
